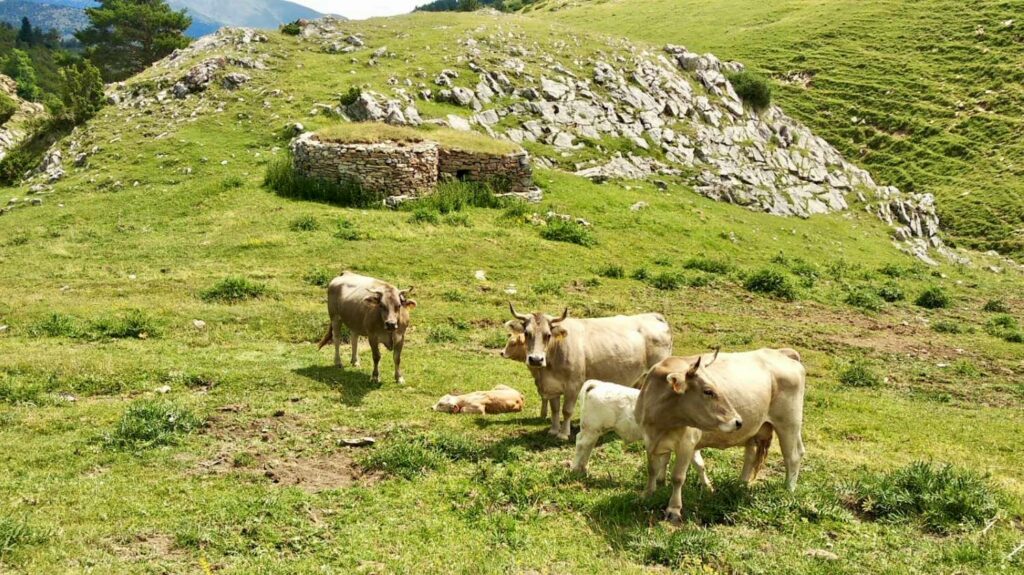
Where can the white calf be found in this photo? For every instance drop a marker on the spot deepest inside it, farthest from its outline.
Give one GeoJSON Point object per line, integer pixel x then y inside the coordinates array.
{"type": "Point", "coordinates": [608, 407]}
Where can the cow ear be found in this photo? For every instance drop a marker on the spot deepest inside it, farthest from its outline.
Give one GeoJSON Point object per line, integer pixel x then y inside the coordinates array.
{"type": "Point", "coordinates": [515, 326]}
{"type": "Point", "coordinates": [678, 382]}
{"type": "Point", "coordinates": [558, 332]}
{"type": "Point", "coordinates": [374, 298]}
{"type": "Point", "coordinates": [409, 303]}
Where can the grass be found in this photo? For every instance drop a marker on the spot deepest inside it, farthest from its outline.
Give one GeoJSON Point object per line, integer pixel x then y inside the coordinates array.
{"type": "Point", "coordinates": [234, 289]}
{"type": "Point", "coordinates": [933, 297]}
{"type": "Point", "coordinates": [571, 232]}
{"type": "Point", "coordinates": [282, 178]}
{"type": "Point", "coordinates": [859, 373]}
{"type": "Point", "coordinates": [500, 494]}
{"type": "Point", "coordinates": [379, 132]}
{"type": "Point", "coordinates": [148, 424]}
{"type": "Point", "coordinates": [771, 281]}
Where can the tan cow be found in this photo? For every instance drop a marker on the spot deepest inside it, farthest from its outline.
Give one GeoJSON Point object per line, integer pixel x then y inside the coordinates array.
{"type": "Point", "coordinates": [563, 352]}
{"type": "Point", "coordinates": [515, 349]}
{"type": "Point", "coordinates": [732, 399]}
{"type": "Point", "coordinates": [501, 399]}
{"type": "Point", "coordinates": [372, 309]}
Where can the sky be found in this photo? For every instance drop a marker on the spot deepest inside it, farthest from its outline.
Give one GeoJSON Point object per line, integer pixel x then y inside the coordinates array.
{"type": "Point", "coordinates": [359, 9]}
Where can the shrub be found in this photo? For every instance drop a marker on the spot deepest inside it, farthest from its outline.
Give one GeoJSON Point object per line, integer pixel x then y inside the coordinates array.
{"type": "Point", "coordinates": [699, 280]}
{"type": "Point", "coordinates": [57, 325]}
{"type": "Point", "coordinates": [304, 224]}
{"type": "Point", "coordinates": [318, 277]}
{"type": "Point", "coordinates": [995, 306]}
{"type": "Point", "coordinates": [571, 232]}
{"type": "Point", "coordinates": [8, 107]}
{"type": "Point", "coordinates": [442, 334]}
{"type": "Point", "coordinates": [639, 274]}
{"type": "Point", "coordinates": [81, 91]}
{"type": "Point", "coordinates": [859, 374]}
{"type": "Point", "coordinates": [422, 215]}
{"type": "Point", "coordinates": [772, 282]}
{"type": "Point", "coordinates": [863, 299]}
{"type": "Point", "coordinates": [283, 179]}
{"type": "Point", "coordinates": [807, 272]}
{"type": "Point", "coordinates": [709, 265]}
{"type": "Point", "coordinates": [752, 88]}
{"type": "Point", "coordinates": [350, 97]}
{"type": "Point", "coordinates": [612, 271]}
{"type": "Point", "coordinates": [233, 290]}
{"type": "Point", "coordinates": [668, 547]}
{"type": "Point", "coordinates": [948, 326]}
{"type": "Point", "coordinates": [291, 28]}
{"type": "Point", "coordinates": [1006, 327]}
{"type": "Point", "coordinates": [515, 210]}
{"type": "Point", "coordinates": [151, 424]}
{"type": "Point", "coordinates": [667, 281]}
{"type": "Point", "coordinates": [892, 270]}
{"type": "Point", "coordinates": [933, 298]}
{"type": "Point", "coordinates": [347, 231]}
{"type": "Point", "coordinates": [943, 499]}
{"type": "Point", "coordinates": [891, 292]}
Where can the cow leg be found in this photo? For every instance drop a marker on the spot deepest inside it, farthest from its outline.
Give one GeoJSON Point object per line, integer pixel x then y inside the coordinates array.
{"type": "Point", "coordinates": [336, 340]}
{"type": "Point", "coordinates": [398, 362]}
{"type": "Point", "coordinates": [355, 350]}
{"type": "Point", "coordinates": [567, 412]}
{"type": "Point", "coordinates": [586, 439]}
{"type": "Point", "coordinates": [662, 464]}
{"type": "Point", "coordinates": [698, 462]}
{"type": "Point", "coordinates": [543, 408]}
{"type": "Point", "coordinates": [792, 451]}
{"type": "Point", "coordinates": [749, 461]}
{"type": "Point", "coordinates": [555, 427]}
{"type": "Point", "coordinates": [375, 348]}
{"type": "Point", "coordinates": [684, 455]}
{"type": "Point", "coordinates": [655, 469]}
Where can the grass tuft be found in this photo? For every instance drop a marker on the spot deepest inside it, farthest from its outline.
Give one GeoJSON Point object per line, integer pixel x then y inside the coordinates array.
{"type": "Point", "coordinates": [708, 265]}
{"type": "Point", "coordinates": [15, 533]}
{"type": "Point", "coordinates": [304, 224]}
{"type": "Point", "coordinates": [148, 424]}
{"type": "Point", "coordinates": [864, 299]}
{"type": "Point", "coordinates": [995, 306]}
{"type": "Point", "coordinates": [933, 297]}
{"type": "Point", "coordinates": [286, 181]}
{"type": "Point", "coordinates": [859, 373]}
{"type": "Point", "coordinates": [234, 289]}
{"type": "Point", "coordinates": [571, 232]}
{"type": "Point", "coordinates": [771, 281]}
{"type": "Point", "coordinates": [674, 547]}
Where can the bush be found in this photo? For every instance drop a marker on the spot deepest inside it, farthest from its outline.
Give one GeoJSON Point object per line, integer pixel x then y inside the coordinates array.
{"type": "Point", "coordinates": [640, 274]}
{"type": "Point", "coordinates": [8, 107]}
{"type": "Point", "coordinates": [81, 94]}
{"type": "Point", "coordinates": [859, 374]}
{"type": "Point", "coordinates": [422, 215]}
{"type": "Point", "coordinates": [948, 326]}
{"type": "Point", "coordinates": [941, 498]}
{"type": "Point", "coordinates": [233, 290]}
{"type": "Point", "coordinates": [347, 231]}
{"type": "Point", "coordinates": [318, 277]}
{"type": "Point", "coordinates": [667, 281]}
{"type": "Point", "coordinates": [612, 271]}
{"type": "Point", "coordinates": [671, 547]}
{"type": "Point", "coordinates": [772, 282]}
{"type": "Point", "coordinates": [995, 306]}
{"type": "Point", "coordinates": [148, 424]}
{"type": "Point", "coordinates": [709, 265]}
{"type": "Point", "coordinates": [933, 298]}
{"type": "Point", "coordinates": [1006, 327]}
{"type": "Point", "coordinates": [891, 292]}
{"type": "Point", "coordinates": [282, 178]}
{"type": "Point", "coordinates": [304, 224]}
{"type": "Point", "coordinates": [807, 272]}
{"type": "Point", "coordinates": [571, 232]}
{"type": "Point", "coordinates": [515, 210]}
{"type": "Point", "coordinates": [291, 28]}
{"type": "Point", "coordinates": [752, 88]}
{"type": "Point", "coordinates": [699, 280]}
{"type": "Point", "coordinates": [442, 334]}
{"type": "Point", "coordinates": [863, 299]}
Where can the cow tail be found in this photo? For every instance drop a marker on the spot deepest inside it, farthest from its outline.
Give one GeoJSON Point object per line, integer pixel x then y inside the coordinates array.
{"type": "Point", "coordinates": [327, 338]}
{"type": "Point", "coordinates": [583, 396]}
{"type": "Point", "coordinates": [761, 444]}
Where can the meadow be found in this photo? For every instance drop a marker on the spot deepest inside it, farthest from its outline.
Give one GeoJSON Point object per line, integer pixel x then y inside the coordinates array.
{"type": "Point", "coordinates": [164, 409]}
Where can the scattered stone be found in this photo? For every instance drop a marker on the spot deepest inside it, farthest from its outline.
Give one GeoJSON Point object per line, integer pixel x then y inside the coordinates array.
{"type": "Point", "coordinates": [355, 41]}
{"type": "Point", "coordinates": [4, 328]}
{"type": "Point", "coordinates": [163, 389]}
{"type": "Point", "coordinates": [638, 206]}
{"type": "Point", "coordinates": [458, 123]}
{"type": "Point", "coordinates": [357, 442]}
{"type": "Point", "coordinates": [821, 554]}
{"type": "Point", "coordinates": [480, 275]}
{"type": "Point", "coordinates": [199, 324]}
{"type": "Point", "coordinates": [234, 80]}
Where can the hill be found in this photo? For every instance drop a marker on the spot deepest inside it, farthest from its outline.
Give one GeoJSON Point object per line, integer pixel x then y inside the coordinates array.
{"type": "Point", "coordinates": [163, 405]}
{"type": "Point", "coordinates": [923, 93]}
{"type": "Point", "coordinates": [46, 15]}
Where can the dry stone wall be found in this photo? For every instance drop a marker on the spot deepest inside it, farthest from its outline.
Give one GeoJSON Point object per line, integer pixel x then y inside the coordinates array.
{"type": "Point", "coordinates": [513, 170]}
{"type": "Point", "coordinates": [394, 168]}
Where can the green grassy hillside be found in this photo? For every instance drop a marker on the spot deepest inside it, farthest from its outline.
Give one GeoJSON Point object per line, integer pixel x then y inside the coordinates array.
{"type": "Point", "coordinates": [135, 440]}
{"type": "Point", "coordinates": [924, 93]}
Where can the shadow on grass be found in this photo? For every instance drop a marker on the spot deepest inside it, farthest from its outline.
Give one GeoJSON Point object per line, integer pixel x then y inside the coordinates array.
{"type": "Point", "coordinates": [528, 440]}
{"type": "Point", "coordinates": [353, 385]}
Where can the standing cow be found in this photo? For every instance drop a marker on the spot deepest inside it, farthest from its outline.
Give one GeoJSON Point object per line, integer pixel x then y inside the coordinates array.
{"type": "Point", "coordinates": [563, 352]}
{"type": "Point", "coordinates": [515, 350]}
{"type": "Point", "coordinates": [734, 399]}
{"type": "Point", "coordinates": [369, 308]}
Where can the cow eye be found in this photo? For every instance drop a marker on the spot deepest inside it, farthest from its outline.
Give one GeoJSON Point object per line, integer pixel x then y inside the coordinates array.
{"type": "Point", "coordinates": [709, 393]}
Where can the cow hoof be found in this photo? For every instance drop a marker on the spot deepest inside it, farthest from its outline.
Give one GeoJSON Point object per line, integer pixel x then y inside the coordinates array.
{"type": "Point", "coordinates": [674, 517]}
{"type": "Point", "coordinates": [552, 432]}
{"type": "Point", "coordinates": [401, 381]}
{"type": "Point", "coordinates": [563, 436]}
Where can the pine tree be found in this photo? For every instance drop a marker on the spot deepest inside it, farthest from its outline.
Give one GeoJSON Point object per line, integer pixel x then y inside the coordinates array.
{"type": "Point", "coordinates": [126, 36]}
{"type": "Point", "coordinates": [25, 34]}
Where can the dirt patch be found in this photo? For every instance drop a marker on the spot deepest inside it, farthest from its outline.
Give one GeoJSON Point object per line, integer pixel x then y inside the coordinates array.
{"type": "Point", "coordinates": [148, 547]}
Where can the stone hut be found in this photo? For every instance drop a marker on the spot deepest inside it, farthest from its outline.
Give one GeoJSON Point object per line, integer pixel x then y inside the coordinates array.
{"type": "Point", "coordinates": [408, 168]}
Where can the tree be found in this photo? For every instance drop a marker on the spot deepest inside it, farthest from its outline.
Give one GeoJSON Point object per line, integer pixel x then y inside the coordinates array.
{"type": "Point", "coordinates": [469, 5]}
{"type": "Point", "coordinates": [126, 36]}
{"type": "Point", "coordinates": [25, 34]}
{"type": "Point", "coordinates": [81, 91]}
{"type": "Point", "coordinates": [19, 67]}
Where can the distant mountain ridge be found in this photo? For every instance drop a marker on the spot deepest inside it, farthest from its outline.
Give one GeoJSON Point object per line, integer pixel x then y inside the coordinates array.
{"type": "Point", "coordinates": [207, 15]}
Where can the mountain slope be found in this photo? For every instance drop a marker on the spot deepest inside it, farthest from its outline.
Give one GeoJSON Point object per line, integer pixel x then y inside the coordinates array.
{"type": "Point", "coordinates": [925, 93]}
{"type": "Point", "coordinates": [114, 327]}
{"type": "Point", "coordinates": [44, 15]}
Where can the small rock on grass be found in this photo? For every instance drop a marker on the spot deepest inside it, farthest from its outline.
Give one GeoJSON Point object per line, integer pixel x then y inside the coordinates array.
{"type": "Point", "coordinates": [821, 554]}
{"type": "Point", "coordinates": [357, 442]}
{"type": "Point", "coordinates": [163, 389]}
{"type": "Point", "coordinates": [199, 324]}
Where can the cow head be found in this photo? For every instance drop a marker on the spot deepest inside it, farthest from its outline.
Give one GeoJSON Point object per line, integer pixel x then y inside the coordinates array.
{"type": "Point", "coordinates": [393, 305]}
{"type": "Point", "coordinates": [539, 331]}
{"type": "Point", "coordinates": [515, 347]}
{"type": "Point", "coordinates": [703, 398]}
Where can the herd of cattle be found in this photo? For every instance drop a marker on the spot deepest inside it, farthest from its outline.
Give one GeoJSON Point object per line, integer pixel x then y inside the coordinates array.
{"type": "Point", "coordinates": [622, 371]}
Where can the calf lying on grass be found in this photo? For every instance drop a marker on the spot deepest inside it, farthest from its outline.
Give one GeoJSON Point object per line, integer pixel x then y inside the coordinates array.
{"type": "Point", "coordinates": [608, 407]}
{"type": "Point", "coordinates": [501, 399]}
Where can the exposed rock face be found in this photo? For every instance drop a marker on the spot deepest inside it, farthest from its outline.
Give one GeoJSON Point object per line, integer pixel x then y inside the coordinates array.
{"type": "Point", "coordinates": [15, 129]}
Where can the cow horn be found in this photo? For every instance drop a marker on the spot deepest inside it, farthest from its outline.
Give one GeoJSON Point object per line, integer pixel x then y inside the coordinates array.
{"type": "Point", "coordinates": [565, 314]}
{"type": "Point", "coordinates": [517, 315]}
{"type": "Point", "coordinates": [693, 369]}
{"type": "Point", "coordinates": [717, 349]}
{"type": "Point", "coordinates": [404, 292]}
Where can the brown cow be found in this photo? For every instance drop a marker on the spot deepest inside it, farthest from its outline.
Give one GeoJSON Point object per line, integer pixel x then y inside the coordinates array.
{"type": "Point", "coordinates": [369, 308]}
{"type": "Point", "coordinates": [515, 349]}
{"type": "Point", "coordinates": [689, 403]}
{"type": "Point", "coordinates": [501, 399]}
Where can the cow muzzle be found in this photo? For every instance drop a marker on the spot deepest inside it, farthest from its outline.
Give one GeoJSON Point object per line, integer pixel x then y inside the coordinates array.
{"type": "Point", "coordinates": [536, 360]}
{"type": "Point", "coordinates": [391, 325]}
{"type": "Point", "coordinates": [730, 426]}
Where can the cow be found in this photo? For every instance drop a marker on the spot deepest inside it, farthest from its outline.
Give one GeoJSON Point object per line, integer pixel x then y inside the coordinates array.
{"type": "Point", "coordinates": [515, 350]}
{"type": "Point", "coordinates": [608, 407]}
{"type": "Point", "coordinates": [501, 399]}
{"type": "Point", "coordinates": [687, 403]}
{"type": "Point", "coordinates": [563, 352]}
{"type": "Point", "coordinates": [372, 309]}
